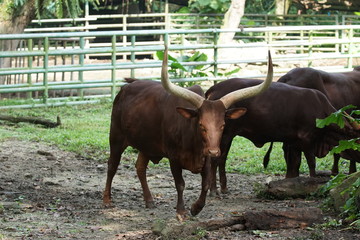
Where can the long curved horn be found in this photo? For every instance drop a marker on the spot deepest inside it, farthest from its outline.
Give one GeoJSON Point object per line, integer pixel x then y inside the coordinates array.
{"type": "Point", "coordinates": [184, 93]}
{"type": "Point", "coordinates": [241, 94]}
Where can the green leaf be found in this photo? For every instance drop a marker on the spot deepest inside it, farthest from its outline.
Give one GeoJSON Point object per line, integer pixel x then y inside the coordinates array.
{"type": "Point", "coordinates": [177, 65]}
{"type": "Point", "coordinates": [183, 10]}
{"type": "Point", "coordinates": [236, 70]}
{"type": "Point", "coordinates": [160, 56]}
{"type": "Point", "coordinates": [336, 117]}
{"type": "Point", "coordinates": [345, 145]}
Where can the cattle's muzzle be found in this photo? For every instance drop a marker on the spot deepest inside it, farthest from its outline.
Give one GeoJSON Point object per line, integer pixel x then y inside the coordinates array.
{"type": "Point", "coordinates": [214, 152]}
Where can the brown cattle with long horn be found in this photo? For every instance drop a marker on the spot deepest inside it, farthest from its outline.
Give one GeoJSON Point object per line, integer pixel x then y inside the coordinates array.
{"type": "Point", "coordinates": [173, 122]}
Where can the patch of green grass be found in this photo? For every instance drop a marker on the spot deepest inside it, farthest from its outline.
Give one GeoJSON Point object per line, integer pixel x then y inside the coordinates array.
{"type": "Point", "coordinates": [245, 158]}
{"type": "Point", "coordinates": [84, 129]}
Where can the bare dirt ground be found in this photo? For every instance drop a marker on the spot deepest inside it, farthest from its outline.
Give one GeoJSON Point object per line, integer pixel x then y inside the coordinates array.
{"type": "Point", "coordinates": [47, 193]}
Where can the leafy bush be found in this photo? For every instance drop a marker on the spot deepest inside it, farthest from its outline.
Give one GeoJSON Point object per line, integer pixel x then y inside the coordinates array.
{"type": "Point", "coordinates": [338, 118]}
{"type": "Point", "coordinates": [350, 210]}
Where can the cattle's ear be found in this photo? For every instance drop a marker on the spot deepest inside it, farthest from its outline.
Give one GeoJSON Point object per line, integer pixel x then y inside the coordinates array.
{"type": "Point", "coordinates": [235, 113]}
{"type": "Point", "coordinates": [187, 112]}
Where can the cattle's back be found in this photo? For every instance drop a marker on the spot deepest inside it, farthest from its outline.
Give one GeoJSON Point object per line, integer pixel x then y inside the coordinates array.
{"type": "Point", "coordinates": [341, 88]}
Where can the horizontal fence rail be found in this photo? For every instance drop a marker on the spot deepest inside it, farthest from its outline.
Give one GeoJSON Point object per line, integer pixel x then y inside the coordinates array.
{"type": "Point", "coordinates": [161, 21]}
{"type": "Point", "coordinates": [55, 68]}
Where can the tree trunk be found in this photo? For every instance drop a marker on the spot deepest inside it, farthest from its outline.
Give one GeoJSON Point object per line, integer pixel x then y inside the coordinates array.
{"type": "Point", "coordinates": [282, 7]}
{"type": "Point", "coordinates": [12, 24]}
{"type": "Point", "coordinates": [232, 20]}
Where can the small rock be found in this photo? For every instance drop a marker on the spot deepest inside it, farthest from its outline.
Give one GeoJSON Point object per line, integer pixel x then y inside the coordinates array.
{"type": "Point", "coordinates": [237, 227]}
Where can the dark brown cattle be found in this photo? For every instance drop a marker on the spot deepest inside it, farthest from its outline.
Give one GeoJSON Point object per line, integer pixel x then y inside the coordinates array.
{"type": "Point", "coordinates": [283, 113]}
{"type": "Point", "coordinates": [159, 124]}
{"type": "Point", "coordinates": [341, 89]}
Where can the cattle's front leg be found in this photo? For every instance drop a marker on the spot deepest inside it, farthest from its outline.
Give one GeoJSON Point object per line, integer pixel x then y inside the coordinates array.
{"type": "Point", "coordinates": [222, 176]}
{"type": "Point", "coordinates": [176, 171]}
{"type": "Point", "coordinates": [219, 163]}
{"type": "Point", "coordinates": [141, 166]}
{"type": "Point", "coordinates": [352, 167]}
{"type": "Point", "coordinates": [310, 159]}
{"type": "Point", "coordinates": [213, 185]}
{"type": "Point", "coordinates": [335, 167]}
{"type": "Point", "coordinates": [293, 161]}
{"type": "Point", "coordinates": [205, 185]}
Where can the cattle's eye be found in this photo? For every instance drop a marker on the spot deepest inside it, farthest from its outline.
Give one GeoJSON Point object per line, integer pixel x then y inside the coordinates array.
{"type": "Point", "coordinates": [202, 128]}
{"type": "Point", "coordinates": [222, 127]}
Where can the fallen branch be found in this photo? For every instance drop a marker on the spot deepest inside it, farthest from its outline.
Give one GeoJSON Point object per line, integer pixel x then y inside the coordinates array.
{"type": "Point", "coordinates": [33, 120]}
{"type": "Point", "coordinates": [251, 220]}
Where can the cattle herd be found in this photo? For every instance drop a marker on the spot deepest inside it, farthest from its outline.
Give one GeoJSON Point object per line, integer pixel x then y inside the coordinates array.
{"type": "Point", "coordinates": [194, 130]}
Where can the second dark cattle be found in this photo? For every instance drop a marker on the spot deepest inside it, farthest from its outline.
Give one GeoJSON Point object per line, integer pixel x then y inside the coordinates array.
{"type": "Point", "coordinates": [341, 89]}
{"type": "Point", "coordinates": [283, 113]}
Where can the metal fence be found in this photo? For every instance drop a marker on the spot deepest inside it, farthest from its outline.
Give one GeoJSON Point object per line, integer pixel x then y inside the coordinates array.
{"type": "Point", "coordinates": [53, 69]}
{"type": "Point", "coordinates": [159, 21]}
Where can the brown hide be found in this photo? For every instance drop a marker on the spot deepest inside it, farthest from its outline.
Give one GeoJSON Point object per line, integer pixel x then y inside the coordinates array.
{"type": "Point", "coordinates": [144, 116]}
{"type": "Point", "coordinates": [342, 89]}
{"type": "Point", "coordinates": [159, 124]}
{"type": "Point", "coordinates": [285, 114]}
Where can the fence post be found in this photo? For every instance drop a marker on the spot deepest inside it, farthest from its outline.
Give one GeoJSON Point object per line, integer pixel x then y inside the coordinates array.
{"type": "Point", "coordinates": [124, 36]}
{"type": "Point", "coordinates": [46, 68]}
{"type": "Point", "coordinates": [310, 48]}
{"type": "Point", "coordinates": [351, 47]}
{"type": "Point", "coordinates": [30, 63]}
{"type": "Point", "coordinates": [82, 63]}
{"type": "Point", "coordinates": [216, 53]}
{"type": "Point", "coordinates": [132, 56]}
{"type": "Point", "coordinates": [87, 25]}
{"type": "Point", "coordinates": [113, 65]}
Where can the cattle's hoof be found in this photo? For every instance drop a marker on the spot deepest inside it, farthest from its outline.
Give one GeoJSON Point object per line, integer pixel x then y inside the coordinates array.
{"type": "Point", "coordinates": [181, 217]}
{"type": "Point", "coordinates": [108, 204]}
{"type": "Point", "coordinates": [224, 190]}
{"type": "Point", "coordinates": [150, 204]}
{"type": "Point", "coordinates": [214, 193]}
{"type": "Point", "coordinates": [195, 209]}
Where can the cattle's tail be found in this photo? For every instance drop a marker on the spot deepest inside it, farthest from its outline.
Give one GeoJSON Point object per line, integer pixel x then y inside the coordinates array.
{"type": "Point", "coordinates": [130, 80]}
{"type": "Point", "coordinates": [267, 155]}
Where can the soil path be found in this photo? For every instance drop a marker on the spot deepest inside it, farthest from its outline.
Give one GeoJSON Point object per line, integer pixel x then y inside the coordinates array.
{"type": "Point", "coordinates": [47, 193]}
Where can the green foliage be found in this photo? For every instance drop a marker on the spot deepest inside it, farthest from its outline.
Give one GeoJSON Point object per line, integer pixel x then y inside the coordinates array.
{"type": "Point", "coordinates": [209, 6]}
{"type": "Point", "coordinates": [47, 8]}
{"type": "Point", "coordinates": [260, 6]}
{"type": "Point", "coordinates": [338, 118]}
{"type": "Point", "coordinates": [350, 210]}
{"type": "Point", "coordinates": [346, 144]}
{"type": "Point", "coordinates": [179, 70]}
{"type": "Point", "coordinates": [335, 181]}
{"type": "Point", "coordinates": [221, 6]}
